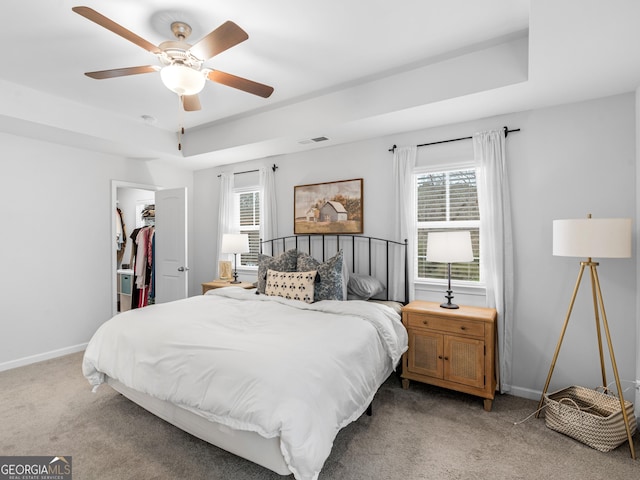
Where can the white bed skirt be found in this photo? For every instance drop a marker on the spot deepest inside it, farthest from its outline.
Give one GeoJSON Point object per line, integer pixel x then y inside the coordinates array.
{"type": "Point", "coordinates": [245, 444]}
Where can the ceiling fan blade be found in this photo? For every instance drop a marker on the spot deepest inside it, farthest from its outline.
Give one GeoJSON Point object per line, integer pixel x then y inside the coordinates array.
{"type": "Point", "coordinates": [122, 72]}
{"type": "Point", "coordinates": [222, 38]}
{"type": "Point", "coordinates": [191, 103]}
{"type": "Point", "coordinates": [109, 24]}
{"type": "Point", "coordinates": [240, 83]}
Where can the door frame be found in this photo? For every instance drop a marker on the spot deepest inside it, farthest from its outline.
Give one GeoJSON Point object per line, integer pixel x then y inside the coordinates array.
{"type": "Point", "coordinates": [115, 184]}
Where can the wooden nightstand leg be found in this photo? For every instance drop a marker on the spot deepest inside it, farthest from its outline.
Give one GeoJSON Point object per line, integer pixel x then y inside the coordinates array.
{"type": "Point", "coordinates": [488, 403]}
{"type": "Point", "coordinates": [405, 383]}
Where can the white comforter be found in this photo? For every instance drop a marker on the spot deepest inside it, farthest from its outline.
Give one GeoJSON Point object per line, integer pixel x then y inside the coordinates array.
{"type": "Point", "coordinates": [252, 362]}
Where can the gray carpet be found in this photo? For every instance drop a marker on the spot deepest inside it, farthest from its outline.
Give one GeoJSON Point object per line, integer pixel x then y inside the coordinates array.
{"type": "Point", "coordinates": [421, 433]}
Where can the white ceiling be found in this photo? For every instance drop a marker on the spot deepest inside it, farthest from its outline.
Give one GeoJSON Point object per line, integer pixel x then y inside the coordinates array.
{"type": "Point", "coordinates": [347, 70]}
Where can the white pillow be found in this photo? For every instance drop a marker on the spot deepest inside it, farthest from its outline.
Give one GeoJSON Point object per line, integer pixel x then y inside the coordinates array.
{"type": "Point", "coordinates": [291, 285]}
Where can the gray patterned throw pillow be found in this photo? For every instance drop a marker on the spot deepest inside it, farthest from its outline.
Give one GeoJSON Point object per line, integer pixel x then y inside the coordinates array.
{"type": "Point", "coordinates": [285, 262]}
{"type": "Point", "coordinates": [329, 282]}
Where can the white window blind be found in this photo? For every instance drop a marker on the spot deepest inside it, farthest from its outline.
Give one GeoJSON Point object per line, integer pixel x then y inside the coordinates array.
{"type": "Point", "coordinates": [249, 223]}
{"type": "Point", "coordinates": [446, 201]}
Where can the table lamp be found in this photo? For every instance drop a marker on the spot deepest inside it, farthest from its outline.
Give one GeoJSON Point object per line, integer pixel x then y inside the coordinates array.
{"type": "Point", "coordinates": [235, 243]}
{"type": "Point", "coordinates": [449, 247]}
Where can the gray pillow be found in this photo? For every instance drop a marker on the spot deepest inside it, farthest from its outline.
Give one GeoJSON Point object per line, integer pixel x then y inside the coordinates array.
{"type": "Point", "coordinates": [363, 287]}
{"type": "Point", "coordinates": [285, 262]}
{"type": "Point", "coordinates": [329, 282]}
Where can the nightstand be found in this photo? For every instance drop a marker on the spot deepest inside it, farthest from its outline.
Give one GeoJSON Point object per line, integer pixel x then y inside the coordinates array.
{"type": "Point", "coordinates": [454, 349]}
{"type": "Point", "coordinates": [224, 283]}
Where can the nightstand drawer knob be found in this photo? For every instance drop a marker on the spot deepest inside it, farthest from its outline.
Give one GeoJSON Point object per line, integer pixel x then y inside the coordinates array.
{"type": "Point", "coordinates": [463, 328]}
{"type": "Point", "coordinates": [425, 322]}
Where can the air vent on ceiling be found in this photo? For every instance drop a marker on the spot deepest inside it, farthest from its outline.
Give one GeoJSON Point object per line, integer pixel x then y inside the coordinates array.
{"type": "Point", "coordinates": [312, 140]}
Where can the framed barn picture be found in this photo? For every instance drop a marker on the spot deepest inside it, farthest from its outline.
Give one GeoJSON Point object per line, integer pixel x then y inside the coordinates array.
{"type": "Point", "coordinates": [330, 208]}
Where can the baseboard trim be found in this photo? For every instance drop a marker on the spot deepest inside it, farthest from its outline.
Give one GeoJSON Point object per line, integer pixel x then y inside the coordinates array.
{"type": "Point", "coordinates": [21, 362]}
{"type": "Point", "coordinates": [525, 393]}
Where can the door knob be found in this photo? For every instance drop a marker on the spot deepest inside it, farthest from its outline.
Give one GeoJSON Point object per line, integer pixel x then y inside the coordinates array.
{"type": "Point", "coordinates": [182, 269]}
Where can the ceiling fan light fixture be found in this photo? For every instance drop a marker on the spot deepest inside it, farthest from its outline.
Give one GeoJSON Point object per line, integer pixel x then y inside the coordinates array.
{"type": "Point", "coordinates": [182, 80]}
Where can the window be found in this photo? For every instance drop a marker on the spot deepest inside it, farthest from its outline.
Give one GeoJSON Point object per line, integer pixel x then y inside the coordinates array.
{"type": "Point", "coordinates": [445, 201]}
{"type": "Point", "coordinates": [248, 208]}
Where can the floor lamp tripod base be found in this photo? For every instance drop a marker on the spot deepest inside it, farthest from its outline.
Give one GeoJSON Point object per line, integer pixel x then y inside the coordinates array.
{"type": "Point", "coordinates": [598, 306]}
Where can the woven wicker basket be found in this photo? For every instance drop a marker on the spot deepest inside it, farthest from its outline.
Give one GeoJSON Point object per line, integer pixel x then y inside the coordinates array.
{"type": "Point", "coordinates": [590, 416]}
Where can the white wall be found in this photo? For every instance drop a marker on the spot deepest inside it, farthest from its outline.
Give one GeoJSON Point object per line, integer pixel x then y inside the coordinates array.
{"type": "Point", "coordinates": [57, 244]}
{"type": "Point", "coordinates": [566, 162]}
{"type": "Point", "coordinates": [205, 214]}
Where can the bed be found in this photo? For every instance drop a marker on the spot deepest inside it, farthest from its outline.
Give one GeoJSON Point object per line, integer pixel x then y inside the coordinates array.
{"type": "Point", "coordinates": [264, 376]}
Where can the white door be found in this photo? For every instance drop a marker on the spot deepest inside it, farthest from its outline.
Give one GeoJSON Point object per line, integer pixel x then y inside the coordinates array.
{"type": "Point", "coordinates": [172, 277]}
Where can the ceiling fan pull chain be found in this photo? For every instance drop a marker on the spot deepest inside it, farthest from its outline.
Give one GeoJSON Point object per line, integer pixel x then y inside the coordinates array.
{"type": "Point", "coordinates": [180, 121]}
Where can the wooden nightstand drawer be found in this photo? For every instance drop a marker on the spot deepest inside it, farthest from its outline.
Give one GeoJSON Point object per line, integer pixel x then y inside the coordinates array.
{"type": "Point", "coordinates": [449, 325]}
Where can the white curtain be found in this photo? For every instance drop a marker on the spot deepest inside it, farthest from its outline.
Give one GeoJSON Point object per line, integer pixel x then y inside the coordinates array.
{"type": "Point", "coordinates": [268, 206]}
{"type": "Point", "coordinates": [226, 215]}
{"type": "Point", "coordinates": [496, 244]}
{"type": "Point", "coordinates": [404, 161]}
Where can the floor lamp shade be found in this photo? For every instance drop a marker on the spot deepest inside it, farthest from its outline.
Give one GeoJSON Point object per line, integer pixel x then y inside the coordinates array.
{"type": "Point", "coordinates": [592, 237]}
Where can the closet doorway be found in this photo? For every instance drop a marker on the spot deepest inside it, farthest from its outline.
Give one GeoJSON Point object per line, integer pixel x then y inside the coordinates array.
{"type": "Point", "coordinates": [138, 204]}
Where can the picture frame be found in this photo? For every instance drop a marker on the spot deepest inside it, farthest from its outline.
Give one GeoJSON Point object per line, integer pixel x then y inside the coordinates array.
{"type": "Point", "coordinates": [225, 271]}
{"type": "Point", "coordinates": [328, 208]}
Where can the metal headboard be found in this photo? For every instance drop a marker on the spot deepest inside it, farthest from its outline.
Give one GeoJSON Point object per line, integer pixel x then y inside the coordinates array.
{"type": "Point", "coordinates": [365, 255]}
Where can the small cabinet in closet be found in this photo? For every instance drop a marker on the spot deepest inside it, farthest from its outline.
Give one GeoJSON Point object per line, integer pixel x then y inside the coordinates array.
{"type": "Point", "coordinates": [125, 285]}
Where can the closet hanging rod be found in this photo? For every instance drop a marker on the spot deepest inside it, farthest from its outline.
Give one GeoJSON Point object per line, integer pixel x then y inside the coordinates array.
{"type": "Point", "coordinates": [506, 132]}
{"type": "Point", "coordinates": [274, 167]}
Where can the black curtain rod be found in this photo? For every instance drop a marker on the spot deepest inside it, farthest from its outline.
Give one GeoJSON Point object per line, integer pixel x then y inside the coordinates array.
{"type": "Point", "coordinates": [506, 132]}
{"type": "Point", "coordinates": [274, 167]}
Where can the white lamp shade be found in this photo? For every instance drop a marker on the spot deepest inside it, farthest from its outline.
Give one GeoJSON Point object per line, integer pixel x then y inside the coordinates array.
{"type": "Point", "coordinates": [449, 247]}
{"type": "Point", "coordinates": [235, 243]}
{"type": "Point", "coordinates": [182, 80]}
{"type": "Point", "coordinates": [592, 237]}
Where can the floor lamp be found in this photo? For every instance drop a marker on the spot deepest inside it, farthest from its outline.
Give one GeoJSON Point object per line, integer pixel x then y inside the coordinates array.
{"type": "Point", "coordinates": [590, 237]}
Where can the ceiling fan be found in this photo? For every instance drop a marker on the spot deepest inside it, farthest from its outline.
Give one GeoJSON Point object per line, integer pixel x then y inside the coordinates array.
{"type": "Point", "coordinates": [182, 69]}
